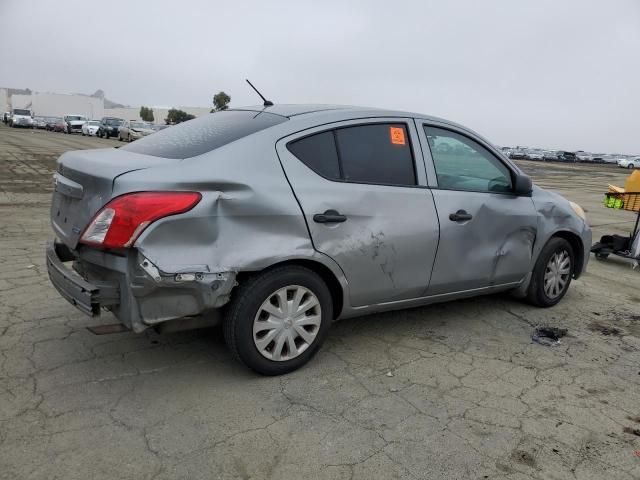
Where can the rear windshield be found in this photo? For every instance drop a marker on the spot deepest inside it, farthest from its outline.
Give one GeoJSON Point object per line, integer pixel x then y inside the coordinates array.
{"type": "Point", "coordinates": [201, 135]}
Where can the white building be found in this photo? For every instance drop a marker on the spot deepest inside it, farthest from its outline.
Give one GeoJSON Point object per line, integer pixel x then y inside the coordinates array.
{"type": "Point", "coordinates": [59, 104]}
{"type": "Point", "coordinates": [4, 100]}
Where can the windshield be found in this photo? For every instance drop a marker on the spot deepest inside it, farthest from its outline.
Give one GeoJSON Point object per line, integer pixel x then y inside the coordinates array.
{"type": "Point", "coordinates": [203, 134]}
{"type": "Point", "coordinates": [114, 122]}
{"type": "Point", "coordinates": [71, 118]}
{"type": "Point", "coordinates": [139, 125]}
{"type": "Point", "coordinates": [20, 111]}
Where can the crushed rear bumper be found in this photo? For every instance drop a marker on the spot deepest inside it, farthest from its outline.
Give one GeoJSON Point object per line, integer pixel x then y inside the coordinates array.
{"type": "Point", "coordinates": [86, 297]}
{"type": "Point", "coordinates": [137, 292]}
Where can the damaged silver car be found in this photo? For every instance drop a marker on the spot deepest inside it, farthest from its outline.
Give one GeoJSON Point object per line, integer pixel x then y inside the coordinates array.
{"type": "Point", "coordinates": [279, 220]}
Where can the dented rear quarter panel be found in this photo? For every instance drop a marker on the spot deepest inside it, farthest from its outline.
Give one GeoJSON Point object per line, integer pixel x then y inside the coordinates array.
{"type": "Point", "coordinates": [247, 220]}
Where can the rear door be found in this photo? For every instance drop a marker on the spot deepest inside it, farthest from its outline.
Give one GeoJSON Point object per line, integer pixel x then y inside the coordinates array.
{"type": "Point", "coordinates": [366, 204]}
{"type": "Point", "coordinates": [486, 232]}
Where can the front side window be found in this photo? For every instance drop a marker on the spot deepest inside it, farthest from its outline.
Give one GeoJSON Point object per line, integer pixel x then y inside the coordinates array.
{"type": "Point", "coordinates": [374, 153]}
{"type": "Point", "coordinates": [463, 164]}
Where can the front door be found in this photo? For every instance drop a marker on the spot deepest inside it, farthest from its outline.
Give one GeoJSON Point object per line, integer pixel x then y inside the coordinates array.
{"type": "Point", "coordinates": [486, 232]}
{"type": "Point", "coordinates": [365, 201]}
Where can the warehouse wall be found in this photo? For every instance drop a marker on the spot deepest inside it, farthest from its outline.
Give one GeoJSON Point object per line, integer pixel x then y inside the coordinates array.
{"type": "Point", "coordinates": [4, 100]}
{"type": "Point", "coordinates": [56, 104]}
{"type": "Point", "coordinates": [59, 104]}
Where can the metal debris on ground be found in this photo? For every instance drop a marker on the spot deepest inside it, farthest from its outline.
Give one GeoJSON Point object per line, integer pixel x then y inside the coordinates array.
{"type": "Point", "coordinates": [548, 336]}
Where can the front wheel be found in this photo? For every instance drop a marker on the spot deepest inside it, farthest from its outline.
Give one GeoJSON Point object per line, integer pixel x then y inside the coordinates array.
{"type": "Point", "coordinates": [277, 320]}
{"type": "Point", "coordinates": [631, 165]}
{"type": "Point", "coordinates": [552, 274]}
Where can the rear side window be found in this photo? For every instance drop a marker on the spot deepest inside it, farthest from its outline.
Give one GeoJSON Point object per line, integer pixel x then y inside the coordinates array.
{"type": "Point", "coordinates": [375, 153]}
{"type": "Point", "coordinates": [318, 152]}
{"type": "Point", "coordinates": [203, 134]}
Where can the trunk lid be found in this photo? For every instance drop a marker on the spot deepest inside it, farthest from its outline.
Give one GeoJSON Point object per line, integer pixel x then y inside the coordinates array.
{"type": "Point", "coordinates": [84, 184]}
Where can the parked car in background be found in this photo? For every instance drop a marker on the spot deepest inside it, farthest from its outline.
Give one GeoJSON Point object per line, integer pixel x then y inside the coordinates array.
{"type": "Point", "coordinates": [563, 156]}
{"type": "Point", "coordinates": [612, 158]}
{"type": "Point", "coordinates": [109, 127]}
{"type": "Point", "coordinates": [90, 127]}
{"type": "Point", "coordinates": [21, 117]}
{"type": "Point", "coordinates": [598, 158]}
{"type": "Point", "coordinates": [131, 130]}
{"type": "Point", "coordinates": [549, 155]}
{"type": "Point", "coordinates": [54, 124]}
{"type": "Point", "coordinates": [629, 162]}
{"type": "Point", "coordinates": [39, 122]}
{"type": "Point", "coordinates": [582, 156]}
{"type": "Point", "coordinates": [517, 154]}
{"type": "Point", "coordinates": [533, 155]}
{"type": "Point", "coordinates": [280, 220]}
{"type": "Point", "coordinates": [50, 122]}
{"type": "Point", "coordinates": [73, 123]}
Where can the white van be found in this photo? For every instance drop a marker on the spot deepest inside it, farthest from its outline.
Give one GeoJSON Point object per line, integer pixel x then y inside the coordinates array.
{"type": "Point", "coordinates": [21, 117]}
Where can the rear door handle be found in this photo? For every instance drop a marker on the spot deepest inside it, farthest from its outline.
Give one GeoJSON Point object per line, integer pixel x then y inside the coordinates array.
{"type": "Point", "coordinates": [460, 216]}
{"type": "Point", "coordinates": [330, 216]}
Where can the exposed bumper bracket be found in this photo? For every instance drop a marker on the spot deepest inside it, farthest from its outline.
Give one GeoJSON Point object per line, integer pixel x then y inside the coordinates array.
{"type": "Point", "coordinates": [85, 296]}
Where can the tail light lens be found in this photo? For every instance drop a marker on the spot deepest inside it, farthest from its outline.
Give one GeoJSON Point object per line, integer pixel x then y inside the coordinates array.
{"type": "Point", "coordinates": [119, 223]}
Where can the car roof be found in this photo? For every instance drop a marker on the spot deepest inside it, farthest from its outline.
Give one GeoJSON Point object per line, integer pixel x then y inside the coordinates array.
{"type": "Point", "coordinates": [292, 110]}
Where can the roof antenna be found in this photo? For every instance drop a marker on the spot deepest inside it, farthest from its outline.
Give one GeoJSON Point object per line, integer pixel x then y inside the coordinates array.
{"type": "Point", "coordinates": [267, 103]}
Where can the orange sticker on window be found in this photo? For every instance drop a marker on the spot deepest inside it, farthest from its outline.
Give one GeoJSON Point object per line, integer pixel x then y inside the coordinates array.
{"type": "Point", "coordinates": [397, 135]}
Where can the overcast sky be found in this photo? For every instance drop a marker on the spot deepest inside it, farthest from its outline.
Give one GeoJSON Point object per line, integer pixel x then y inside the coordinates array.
{"type": "Point", "coordinates": [548, 73]}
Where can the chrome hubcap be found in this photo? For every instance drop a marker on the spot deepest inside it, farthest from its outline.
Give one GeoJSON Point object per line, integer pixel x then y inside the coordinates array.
{"type": "Point", "coordinates": [287, 323]}
{"type": "Point", "coordinates": [557, 273]}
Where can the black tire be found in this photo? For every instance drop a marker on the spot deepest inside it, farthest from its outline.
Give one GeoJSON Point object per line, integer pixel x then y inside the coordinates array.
{"type": "Point", "coordinates": [119, 138]}
{"type": "Point", "coordinates": [129, 138]}
{"type": "Point", "coordinates": [247, 299]}
{"type": "Point", "coordinates": [631, 165]}
{"type": "Point", "coordinates": [536, 294]}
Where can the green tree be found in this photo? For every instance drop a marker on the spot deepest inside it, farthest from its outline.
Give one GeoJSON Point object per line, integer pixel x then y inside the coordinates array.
{"type": "Point", "coordinates": [177, 116]}
{"type": "Point", "coordinates": [220, 101]}
{"type": "Point", "coordinates": [146, 114]}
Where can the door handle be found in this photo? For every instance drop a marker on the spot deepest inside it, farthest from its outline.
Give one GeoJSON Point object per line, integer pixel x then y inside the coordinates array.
{"type": "Point", "coordinates": [330, 216]}
{"type": "Point", "coordinates": [460, 216]}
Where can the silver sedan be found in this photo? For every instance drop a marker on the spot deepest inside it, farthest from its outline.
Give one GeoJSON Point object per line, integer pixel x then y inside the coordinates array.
{"type": "Point", "coordinates": [279, 220]}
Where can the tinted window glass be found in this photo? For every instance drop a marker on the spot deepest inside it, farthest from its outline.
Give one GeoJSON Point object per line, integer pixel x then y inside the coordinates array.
{"type": "Point", "coordinates": [463, 164]}
{"type": "Point", "coordinates": [203, 134]}
{"type": "Point", "coordinates": [318, 152]}
{"type": "Point", "coordinates": [378, 153]}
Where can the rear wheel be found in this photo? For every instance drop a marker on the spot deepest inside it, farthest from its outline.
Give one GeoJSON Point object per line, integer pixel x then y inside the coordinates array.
{"type": "Point", "coordinates": [552, 274]}
{"type": "Point", "coordinates": [278, 319]}
{"type": "Point", "coordinates": [631, 165]}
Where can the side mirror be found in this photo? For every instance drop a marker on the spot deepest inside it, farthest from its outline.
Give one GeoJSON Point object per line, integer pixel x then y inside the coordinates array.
{"type": "Point", "coordinates": [522, 185]}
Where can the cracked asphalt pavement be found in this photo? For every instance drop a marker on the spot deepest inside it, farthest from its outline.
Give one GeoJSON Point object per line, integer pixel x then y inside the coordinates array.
{"type": "Point", "coordinates": [449, 391]}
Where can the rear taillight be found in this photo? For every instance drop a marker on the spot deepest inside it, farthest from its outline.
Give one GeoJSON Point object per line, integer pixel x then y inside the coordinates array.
{"type": "Point", "coordinates": [123, 219]}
